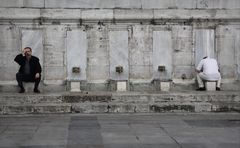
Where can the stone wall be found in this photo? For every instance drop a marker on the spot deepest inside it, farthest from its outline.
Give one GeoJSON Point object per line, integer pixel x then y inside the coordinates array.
{"type": "Point", "coordinates": [139, 35]}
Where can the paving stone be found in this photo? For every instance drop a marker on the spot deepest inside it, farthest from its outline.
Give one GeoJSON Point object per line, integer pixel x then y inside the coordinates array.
{"type": "Point", "coordinates": [214, 123]}
{"type": "Point", "coordinates": [219, 130]}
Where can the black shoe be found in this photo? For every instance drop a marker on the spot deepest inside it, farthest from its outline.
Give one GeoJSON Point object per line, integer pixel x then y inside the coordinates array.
{"type": "Point", "coordinates": [22, 90]}
{"type": "Point", "coordinates": [201, 89]}
{"type": "Point", "coordinates": [36, 90]}
{"type": "Point", "coordinates": [218, 89]}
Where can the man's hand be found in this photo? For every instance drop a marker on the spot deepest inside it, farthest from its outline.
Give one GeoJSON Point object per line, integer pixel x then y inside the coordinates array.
{"type": "Point", "coordinates": [37, 75]}
{"type": "Point", "coordinates": [23, 52]}
{"type": "Point", "coordinates": [198, 71]}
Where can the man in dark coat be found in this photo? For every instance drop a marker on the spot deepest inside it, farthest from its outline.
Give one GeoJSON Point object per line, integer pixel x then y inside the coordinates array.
{"type": "Point", "coordinates": [29, 71]}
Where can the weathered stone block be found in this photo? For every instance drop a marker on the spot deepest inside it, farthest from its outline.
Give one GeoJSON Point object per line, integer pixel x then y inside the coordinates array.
{"type": "Point", "coordinates": [11, 3]}
{"type": "Point", "coordinates": [141, 72]}
{"type": "Point", "coordinates": [97, 72]}
{"type": "Point", "coordinates": [133, 14]}
{"type": "Point", "coordinates": [186, 4]}
{"type": "Point", "coordinates": [183, 58]}
{"type": "Point", "coordinates": [165, 86]}
{"type": "Point", "coordinates": [54, 59]}
{"type": "Point", "coordinates": [127, 3]}
{"type": "Point", "coordinates": [197, 14]}
{"type": "Point", "coordinates": [187, 71]}
{"type": "Point", "coordinates": [203, 107]}
{"type": "Point", "coordinates": [226, 55]}
{"type": "Point", "coordinates": [8, 73]}
{"type": "Point", "coordinates": [18, 13]}
{"type": "Point", "coordinates": [72, 3]}
{"type": "Point", "coordinates": [154, 4]}
{"type": "Point", "coordinates": [75, 86]}
{"type": "Point", "coordinates": [61, 13]}
{"type": "Point", "coordinates": [54, 73]}
{"type": "Point", "coordinates": [121, 86]}
{"type": "Point", "coordinates": [97, 15]}
{"type": "Point", "coordinates": [33, 3]}
{"type": "Point", "coordinates": [210, 86]}
{"type": "Point", "coordinates": [228, 71]}
{"type": "Point", "coordinates": [221, 4]}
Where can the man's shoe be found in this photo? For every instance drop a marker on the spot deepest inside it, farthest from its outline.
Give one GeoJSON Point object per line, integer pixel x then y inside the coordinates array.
{"type": "Point", "coordinates": [22, 90]}
{"type": "Point", "coordinates": [218, 89]}
{"type": "Point", "coordinates": [201, 89]}
{"type": "Point", "coordinates": [36, 91]}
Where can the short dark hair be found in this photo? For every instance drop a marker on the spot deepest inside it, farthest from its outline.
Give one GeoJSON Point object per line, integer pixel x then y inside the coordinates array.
{"type": "Point", "coordinates": [205, 57]}
{"type": "Point", "coordinates": [28, 48]}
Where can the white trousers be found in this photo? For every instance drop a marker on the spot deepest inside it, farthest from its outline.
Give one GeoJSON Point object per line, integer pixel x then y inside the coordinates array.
{"type": "Point", "coordinates": [203, 77]}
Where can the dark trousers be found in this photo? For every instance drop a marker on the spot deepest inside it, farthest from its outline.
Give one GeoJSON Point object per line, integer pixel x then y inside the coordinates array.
{"type": "Point", "coordinates": [27, 78]}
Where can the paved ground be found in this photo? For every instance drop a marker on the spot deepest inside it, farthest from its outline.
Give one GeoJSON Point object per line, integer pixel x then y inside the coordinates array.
{"type": "Point", "coordinates": [211, 130]}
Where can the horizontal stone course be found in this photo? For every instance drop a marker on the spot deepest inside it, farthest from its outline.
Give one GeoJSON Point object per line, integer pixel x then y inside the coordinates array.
{"type": "Point", "coordinates": [116, 14]}
{"type": "Point", "coordinates": [124, 4]}
{"type": "Point", "coordinates": [100, 102]}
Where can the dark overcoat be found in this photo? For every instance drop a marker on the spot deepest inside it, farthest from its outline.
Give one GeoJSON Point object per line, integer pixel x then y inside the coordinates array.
{"type": "Point", "coordinates": [35, 66]}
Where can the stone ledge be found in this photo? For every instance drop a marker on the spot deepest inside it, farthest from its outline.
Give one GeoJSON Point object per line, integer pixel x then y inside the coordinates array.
{"type": "Point", "coordinates": [125, 4]}
{"type": "Point", "coordinates": [116, 14]}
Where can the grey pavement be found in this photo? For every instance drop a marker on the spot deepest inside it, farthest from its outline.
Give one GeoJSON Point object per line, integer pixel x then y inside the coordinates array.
{"type": "Point", "coordinates": [168, 130]}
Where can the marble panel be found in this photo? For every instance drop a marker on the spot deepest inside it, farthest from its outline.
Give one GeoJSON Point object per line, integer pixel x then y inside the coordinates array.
{"type": "Point", "coordinates": [204, 44]}
{"type": "Point", "coordinates": [33, 39]}
{"type": "Point", "coordinates": [118, 44]}
{"type": "Point", "coordinates": [77, 54]}
{"type": "Point", "coordinates": [162, 53]}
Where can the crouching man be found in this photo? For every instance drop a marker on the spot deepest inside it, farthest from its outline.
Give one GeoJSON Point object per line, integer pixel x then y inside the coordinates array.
{"type": "Point", "coordinates": [29, 71]}
{"type": "Point", "coordinates": [208, 70]}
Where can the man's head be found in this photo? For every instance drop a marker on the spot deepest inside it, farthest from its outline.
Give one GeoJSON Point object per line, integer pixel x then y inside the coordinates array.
{"type": "Point", "coordinates": [27, 51]}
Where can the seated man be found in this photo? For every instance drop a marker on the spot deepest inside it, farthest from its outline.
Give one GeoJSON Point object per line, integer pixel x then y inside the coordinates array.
{"type": "Point", "coordinates": [29, 71]}
{"type": "Point", "coordinates": [208, 71]}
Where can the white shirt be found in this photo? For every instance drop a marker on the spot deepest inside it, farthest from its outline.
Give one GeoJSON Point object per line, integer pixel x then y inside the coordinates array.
{"type": "Point", "coordinates": [209, 67]}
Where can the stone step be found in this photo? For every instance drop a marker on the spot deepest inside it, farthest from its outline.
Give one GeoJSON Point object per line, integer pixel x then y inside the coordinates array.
{"type": "Point", "coordinates": [112, 102]}
{"type": "Point", "coordinates": [36, 108]}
